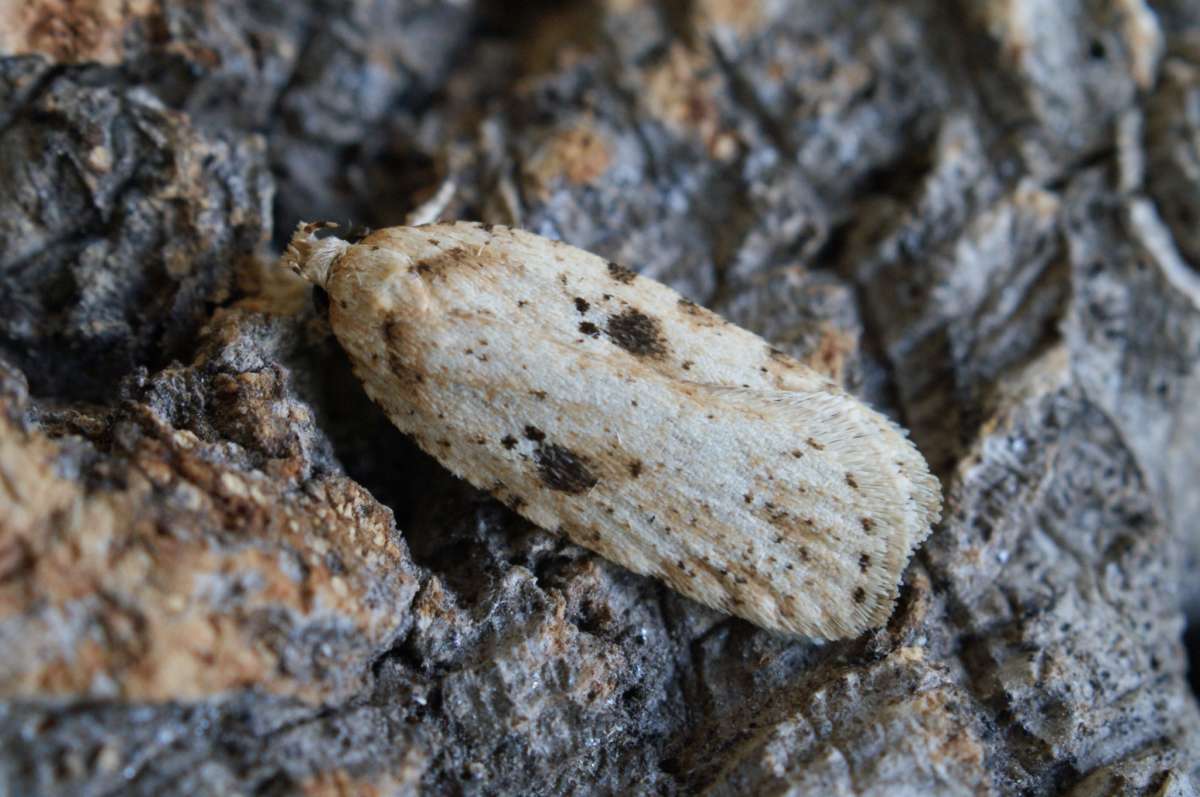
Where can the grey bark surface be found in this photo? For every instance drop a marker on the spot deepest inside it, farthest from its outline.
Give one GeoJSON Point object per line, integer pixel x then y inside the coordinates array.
{"type": "Point", "coordinates": [223, 571]}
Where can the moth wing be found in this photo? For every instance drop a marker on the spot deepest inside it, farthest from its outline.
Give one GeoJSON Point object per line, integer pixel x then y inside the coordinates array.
{"type": "Point", "coordinates": [902, 456]}
{"type": "Point", "coordinates": [883, 508]}
{"type": "Point", "coordinates": [857, 498]}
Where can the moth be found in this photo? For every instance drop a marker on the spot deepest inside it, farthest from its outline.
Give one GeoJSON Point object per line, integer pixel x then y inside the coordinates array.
{"type": "Point", "coordinates": [603, 406]}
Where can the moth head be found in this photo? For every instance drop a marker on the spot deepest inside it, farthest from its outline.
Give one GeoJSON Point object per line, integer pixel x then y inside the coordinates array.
{"type": "Point", "coordinates": [311, 257]}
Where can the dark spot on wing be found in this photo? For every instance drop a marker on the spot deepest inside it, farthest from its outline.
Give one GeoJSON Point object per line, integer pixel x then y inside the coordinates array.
{"type": "Point", "coordinates": [776, 354]}
{"type": "Point", "coordinates": [563, 470]}
{"type": "Point", "coordinates": [867, 523]}
{"type": "Point", "coordinates": [438, 264]}
{"type": "Point", "coordinates": [588, 328]}
{"type": "Point", "coordinates": [620, 273]}
{"type": "Point", "coordinates": [581, 305]}
{"type": "Point", "coordinates": [636, 333]}
{"type": "Point", "coordinates": [700, 315]}
{"type": "Point", "coordinates": [508, 441]}
{"type": "Point", "coordinates": [815, 444]}
{"type": "Point", "coordinates": [535, 434]}
{"type": "Point", "coordinates": [393, 331]}
{"type": "Point", "coordinates": [635, 468]}
{"type": "Point", "coordinates": [864, 562]}
{"type": "Point", "coordinates": [850, 480]}
{"type": "Point", "coordinates": [860, 595]}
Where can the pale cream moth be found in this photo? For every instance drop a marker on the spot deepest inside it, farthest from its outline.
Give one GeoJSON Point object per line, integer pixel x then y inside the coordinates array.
{"type": "Point", "coordinates": [603, 406]}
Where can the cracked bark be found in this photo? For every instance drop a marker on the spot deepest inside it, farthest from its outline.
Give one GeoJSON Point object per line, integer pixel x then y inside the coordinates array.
{"type": "Point", "coordinates": [222, 569]}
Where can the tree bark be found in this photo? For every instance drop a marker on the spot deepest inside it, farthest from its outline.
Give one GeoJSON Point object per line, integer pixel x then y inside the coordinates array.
{"type": "Point", "coordinates": [223, 571]}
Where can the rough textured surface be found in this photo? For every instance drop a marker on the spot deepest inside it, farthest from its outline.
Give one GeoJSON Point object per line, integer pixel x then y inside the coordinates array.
{"type": "Point", "coordinates": [221, 568]}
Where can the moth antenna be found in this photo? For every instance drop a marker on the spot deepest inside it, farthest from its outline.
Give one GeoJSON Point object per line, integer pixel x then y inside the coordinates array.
{"type": "Point", "coordinates": [429, 211]}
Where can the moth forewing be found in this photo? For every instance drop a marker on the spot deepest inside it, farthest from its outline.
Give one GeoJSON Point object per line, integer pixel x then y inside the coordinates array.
{"type": "Point", "coordinates": [603, 406]}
